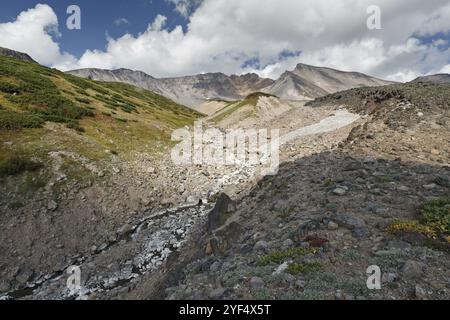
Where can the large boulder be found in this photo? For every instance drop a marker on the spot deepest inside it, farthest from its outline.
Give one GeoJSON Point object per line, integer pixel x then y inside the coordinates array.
{"type": "Point", "coordinates": [221, 212]}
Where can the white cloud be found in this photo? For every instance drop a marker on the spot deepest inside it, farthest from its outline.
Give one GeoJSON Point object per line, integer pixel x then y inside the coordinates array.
{"type": "Point", "coordinates": [223, 35]}
{"type": "Point", "coordinates": [185, 7]}
{"type": "Point", "coordinates": [33, 32]}
{"type": "Point", "coordinates": [121, 21]}
{"type": "Point", "coordinates": [445, 69]}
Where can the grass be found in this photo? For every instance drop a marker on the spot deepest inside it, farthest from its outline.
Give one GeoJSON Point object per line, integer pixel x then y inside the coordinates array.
{"type": "Point", "coordinates": [17, 165]}
{"type": "Point", "coordinates": [279, 256]}
{"type": "Point", "coordinates": [251, 100]}
{"type": "Point", "coordinates": [44, 110]}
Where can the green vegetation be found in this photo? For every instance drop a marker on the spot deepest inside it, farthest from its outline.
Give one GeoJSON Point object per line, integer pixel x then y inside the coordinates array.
{"type": "Point", "coordinates": [279, 256]}
{"type": "Point", "coordinates": [43, 110]}
{"type": "Point", "coordinates": [436, 214]}
{"type": "Point", "coordinates": [16, 165]}
{"type": "Point", "coordinates": [250, 100]}
{"type": "Point", "coordinates": [434, 222]}
{"type": "Point", "coordinates": [298, 268]}
{"type": "Point", "coordinates": [30, 89]}
{"type": "Point", "coordinates": [11, 120]}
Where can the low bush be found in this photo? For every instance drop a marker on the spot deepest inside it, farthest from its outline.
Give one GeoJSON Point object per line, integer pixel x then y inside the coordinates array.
{"type": "Point", "coordinates": [17, 165]}
{"type": "Point", "coordinates": [10, 120]}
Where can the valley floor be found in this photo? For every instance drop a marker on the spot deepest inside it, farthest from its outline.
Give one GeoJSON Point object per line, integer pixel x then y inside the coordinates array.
{"type": "Point", "coordinates": [310, 232]}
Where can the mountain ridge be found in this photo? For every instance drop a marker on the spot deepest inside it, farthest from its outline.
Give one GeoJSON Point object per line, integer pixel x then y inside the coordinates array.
{"type": "Point", "coordinates": [308, 82]}
{"type": "Point", "coordinates": [439, 78]}
{"type": "Point", "coordinates": [188, 90]}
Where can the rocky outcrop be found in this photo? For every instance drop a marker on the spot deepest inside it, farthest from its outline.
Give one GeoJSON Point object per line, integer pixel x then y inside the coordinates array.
{"type": "Point", "coordinates": [15, 54]}
{"type": "Point", "coordinates": [436, 79]}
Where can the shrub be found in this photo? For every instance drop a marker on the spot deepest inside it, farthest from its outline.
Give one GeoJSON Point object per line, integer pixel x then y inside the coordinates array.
{"type": "Point", "coordinates": [278, 256]}
{"type": "Point", "coordinates": [398, 226]}
{"type": "Point", "coordinates": [10, 120]}
{"type": "Point", "coordinates": [16, 165]}
{"type": "Point", "coordinates": [83, 100]}
{"type": "Point", "coordinates": [436, 214]}
{"type": "Point", "coordinates": [297, 268]}
{"type": "Point", "coordinates": [8, 87]}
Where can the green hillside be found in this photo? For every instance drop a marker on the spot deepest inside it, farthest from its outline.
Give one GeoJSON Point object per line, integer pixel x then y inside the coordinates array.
{"type": "Point", "coordinates": [44, 110]}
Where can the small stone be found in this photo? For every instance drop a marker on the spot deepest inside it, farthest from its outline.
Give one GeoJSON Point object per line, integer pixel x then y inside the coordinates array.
{"type": "Point", "coordinates": [52, 205]}
{"type": "Point", "coordinates": [125, 230]}
{"type": "Point", "coordinates": [412, 270]}
{"type": "Point", "coordinates": [332, 226]}
{"type": "Point", "coordinates": [430, 186]}
{"type": "Point", "coordinates": [300, 284]}
{"type": "Point", "coordinates": [215, 266]}
{"type": "Point", "coordinates": [288, 243]}
{"type": "Point", "coordinates": [435, 152]}
{"type": "Point", "coordinates": [256, 283]}
{"type": "Point", "coordinates": [217, 294]}
{"type": "Point", "coordinates": [261, 245]}
{"type": "Point", "coordinates": [390, 277]}
{"type": "Point", "coordinates": [191, 200]}
{"type": "Point", "coordinates": [339, 191]}
{"type": "Point", "coordinates": [349, 222]}
{"type": "Point", "coordinates": [209, 249]}
{"type": "Point", "coordinates": [5, 286]}
{"type": "Point", "coordinates": [398, 244]}
{"type": "Point", "coordinates": [420, 293]}
{"type": "Point", "coordinates": [338, 295]}
{"type": "Point", "coordinates": [420, 114]}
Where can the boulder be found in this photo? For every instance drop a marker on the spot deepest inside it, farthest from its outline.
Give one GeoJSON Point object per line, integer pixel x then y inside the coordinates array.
{"type": "Point", "coordinates": [218, 215]}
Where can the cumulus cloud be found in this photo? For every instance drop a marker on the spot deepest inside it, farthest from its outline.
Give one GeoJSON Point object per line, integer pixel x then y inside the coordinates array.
{"type": "Point", "coordinates": [34, 32]}
{"type": "Point", "coordinates": [185, 7]}
{"type": "Point", "coordinates": [235, 36]}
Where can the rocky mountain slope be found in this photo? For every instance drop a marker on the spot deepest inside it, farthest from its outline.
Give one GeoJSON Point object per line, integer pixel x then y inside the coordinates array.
{"type": "Point", "coordinates": [191, 90]}
{"type": "Point", "coordinates": [382, 198]}
{"type": "Point", "coordinates": [4, 52]}
{"type": "Point", "coordinates": [86, 179]}
{"type": "Point", "coordinates": [307, 82]}
{"type": "Point", "coordinates": [250, 112]}
{"type": "Point", "coordinates": [436, 78]}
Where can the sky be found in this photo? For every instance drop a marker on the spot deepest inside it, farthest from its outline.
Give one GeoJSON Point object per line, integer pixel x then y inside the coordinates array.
{"type": "Point", "coordinates": [166, 38]}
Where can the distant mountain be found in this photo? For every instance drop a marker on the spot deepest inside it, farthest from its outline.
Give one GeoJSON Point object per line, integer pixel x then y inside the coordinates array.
{"type": "Point", "coordinates": [435, 78]}
{"type": "Point", "coordinates": [190, 91]}
{"type": "Point", "coordinates": [308, 82]}
{"type": "Point", "coordinates": [304, 83]}
{"type": "Point", "coordinates": [4, 52]}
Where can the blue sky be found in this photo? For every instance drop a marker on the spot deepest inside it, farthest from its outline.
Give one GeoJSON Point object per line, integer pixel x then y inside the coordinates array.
{"type": "Point", "coordinates": [267, 37]}
{"type": "Point", "coordinates": [98, 17]}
